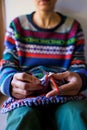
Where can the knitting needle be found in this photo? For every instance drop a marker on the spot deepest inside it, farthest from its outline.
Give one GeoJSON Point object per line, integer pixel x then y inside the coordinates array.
{"type": "Point", "coordinates": [54, 83]}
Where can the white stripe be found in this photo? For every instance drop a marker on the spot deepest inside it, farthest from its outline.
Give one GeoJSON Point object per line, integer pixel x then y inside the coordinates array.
{"type": "Point", "coordinates": [10, 33]}
{"type": "Point", "coordinates": [79, 65]}
{"type": "Point", "coordinates": [45, 49]}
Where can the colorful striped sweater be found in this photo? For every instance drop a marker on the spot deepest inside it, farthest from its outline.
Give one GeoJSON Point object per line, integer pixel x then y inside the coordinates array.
{"type": "Point", "coordinates": [29, 48]}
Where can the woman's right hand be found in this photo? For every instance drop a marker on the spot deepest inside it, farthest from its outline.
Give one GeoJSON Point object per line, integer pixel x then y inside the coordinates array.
{"type": "Point", "coordinates": [23, 85]}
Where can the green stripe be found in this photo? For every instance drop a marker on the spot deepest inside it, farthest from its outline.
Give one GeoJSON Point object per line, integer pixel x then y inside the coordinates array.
{"type": "Point", "coordinates": [45, 41]}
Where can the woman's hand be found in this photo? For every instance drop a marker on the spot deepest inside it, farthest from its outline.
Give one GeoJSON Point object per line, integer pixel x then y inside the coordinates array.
{"type": "Point", "coordinates": [23, 85]}
{"type": "Point", "coordinates": [72, 87]}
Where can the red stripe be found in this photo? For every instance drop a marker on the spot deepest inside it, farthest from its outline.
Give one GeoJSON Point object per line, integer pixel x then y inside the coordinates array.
{"type": "Point", "coordinates": [80, 41]}
{"type": "Point", "coordinates": [2, 61]}
{"type": "Point", "coordinates": [43, 55]}
{"type": "Point", "coordinates": [78, 62]}
{"type": "Point", "coordinates": [9, 39]}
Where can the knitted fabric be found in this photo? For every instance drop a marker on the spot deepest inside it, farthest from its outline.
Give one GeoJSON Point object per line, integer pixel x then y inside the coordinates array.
{"type": "Point", "coordinates": [12, 103]}
{"type": "Point", "coordinates": [40, 100]}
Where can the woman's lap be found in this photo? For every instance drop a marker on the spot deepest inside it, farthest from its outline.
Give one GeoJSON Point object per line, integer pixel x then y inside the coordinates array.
{"type": "Point", "coordinates": [71, 116]}
{"type": "Point", "coordinates": [68, 116]}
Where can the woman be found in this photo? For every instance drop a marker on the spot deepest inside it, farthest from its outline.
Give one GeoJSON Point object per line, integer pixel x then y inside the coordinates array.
{"type": "Point", "coordinates": [44, 58]}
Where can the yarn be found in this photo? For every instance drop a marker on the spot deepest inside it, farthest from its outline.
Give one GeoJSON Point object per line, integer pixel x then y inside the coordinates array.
{"type": "Point", "coordinates": [39, 99]}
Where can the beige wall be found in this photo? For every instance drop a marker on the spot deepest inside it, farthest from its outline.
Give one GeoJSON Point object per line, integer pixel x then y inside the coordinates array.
{"type": "Point", "coordinates": [18, 7]}
{"type": "Point", "coordinates": [2, 26]}
{"type": "Point", "coordinates": [73, 8]}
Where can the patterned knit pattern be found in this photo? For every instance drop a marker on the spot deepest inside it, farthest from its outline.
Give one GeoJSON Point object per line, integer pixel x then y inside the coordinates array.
{"type": "Point", "coordinates": [12, 104]}
{"type": "Point", "coordinates": [30, 49]}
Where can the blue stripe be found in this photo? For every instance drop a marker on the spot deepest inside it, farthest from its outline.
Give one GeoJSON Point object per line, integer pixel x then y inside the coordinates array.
{"type": "Point", "coordinates": [31, 62]}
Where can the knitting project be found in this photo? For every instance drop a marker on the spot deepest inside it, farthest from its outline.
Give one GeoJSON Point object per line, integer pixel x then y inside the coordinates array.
{"type": "Point", "coordinates": [40, 100]}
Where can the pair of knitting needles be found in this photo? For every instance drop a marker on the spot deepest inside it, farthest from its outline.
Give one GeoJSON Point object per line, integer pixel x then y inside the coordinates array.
{"type": "Point", "coordinates": [52, 80]}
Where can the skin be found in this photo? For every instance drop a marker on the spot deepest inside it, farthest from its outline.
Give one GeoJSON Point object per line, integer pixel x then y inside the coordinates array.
{"type": "Point", "coordinates": [72, 87]}
{"type": "Point", "coordinates": [45, 17]}
{"type": "Point", "coordinates": [23, 84]}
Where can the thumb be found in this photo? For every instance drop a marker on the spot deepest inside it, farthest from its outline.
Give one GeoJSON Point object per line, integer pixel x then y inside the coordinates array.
{"type": "Point", "coordinates": [52, 93]}
{"type": "Point", "coordinates": [59, 76]}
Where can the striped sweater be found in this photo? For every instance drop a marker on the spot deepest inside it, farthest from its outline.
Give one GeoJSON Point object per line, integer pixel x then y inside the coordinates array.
{"type": "Point", "coordinates": [29, 48]}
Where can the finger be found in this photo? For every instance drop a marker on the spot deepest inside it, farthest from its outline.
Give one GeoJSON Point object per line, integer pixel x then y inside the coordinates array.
{"type": "Point", "coordinates": [27, 77]}
{"type": "Point", "coordinates": [60, 76]}
{"type": "Point", "coordinates": [63, 93]}
{"type": "Point", "coordinates": [70, 93]}
{"type": "Point", "coordinates": [19, 85]}
{"type": "Point", "coordinates": [69, 86]}
{"type": "Point", "coordinates": [68, 89]}
{"type": "Point", "coordinates": [21, 92]}
{"type": "Point", "coordinates": [25, 85]}
{"type": "Point", "coordinates": [52, 93]}
{"type": "Point", "coordinates": [18, 96]}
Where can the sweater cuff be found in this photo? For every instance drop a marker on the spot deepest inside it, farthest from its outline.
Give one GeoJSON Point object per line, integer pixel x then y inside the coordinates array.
{"type": "Point", "coordinates": [84, 81]}
{"type": "Point", "coordinates": [6, 86]}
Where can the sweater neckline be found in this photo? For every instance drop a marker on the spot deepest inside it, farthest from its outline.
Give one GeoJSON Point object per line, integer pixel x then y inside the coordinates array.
{"type": "Point", "coordinates": [30, 18]}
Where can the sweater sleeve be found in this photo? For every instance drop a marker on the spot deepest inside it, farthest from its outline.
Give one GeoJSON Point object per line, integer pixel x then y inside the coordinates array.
{"type": "Point", "coordinates": [9, 64]}
{"type": "Point", "coordinates": [78, 62]}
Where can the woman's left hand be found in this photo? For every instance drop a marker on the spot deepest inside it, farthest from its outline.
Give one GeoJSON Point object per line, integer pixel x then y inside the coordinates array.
{"type": "Point", "coordinates": [72, 87]}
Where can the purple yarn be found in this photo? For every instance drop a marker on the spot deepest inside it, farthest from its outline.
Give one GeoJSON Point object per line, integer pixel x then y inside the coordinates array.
{"type": "Point", "coordinates": [12, 104]}
{"type": "Point", "coordinates": [40, 100]}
